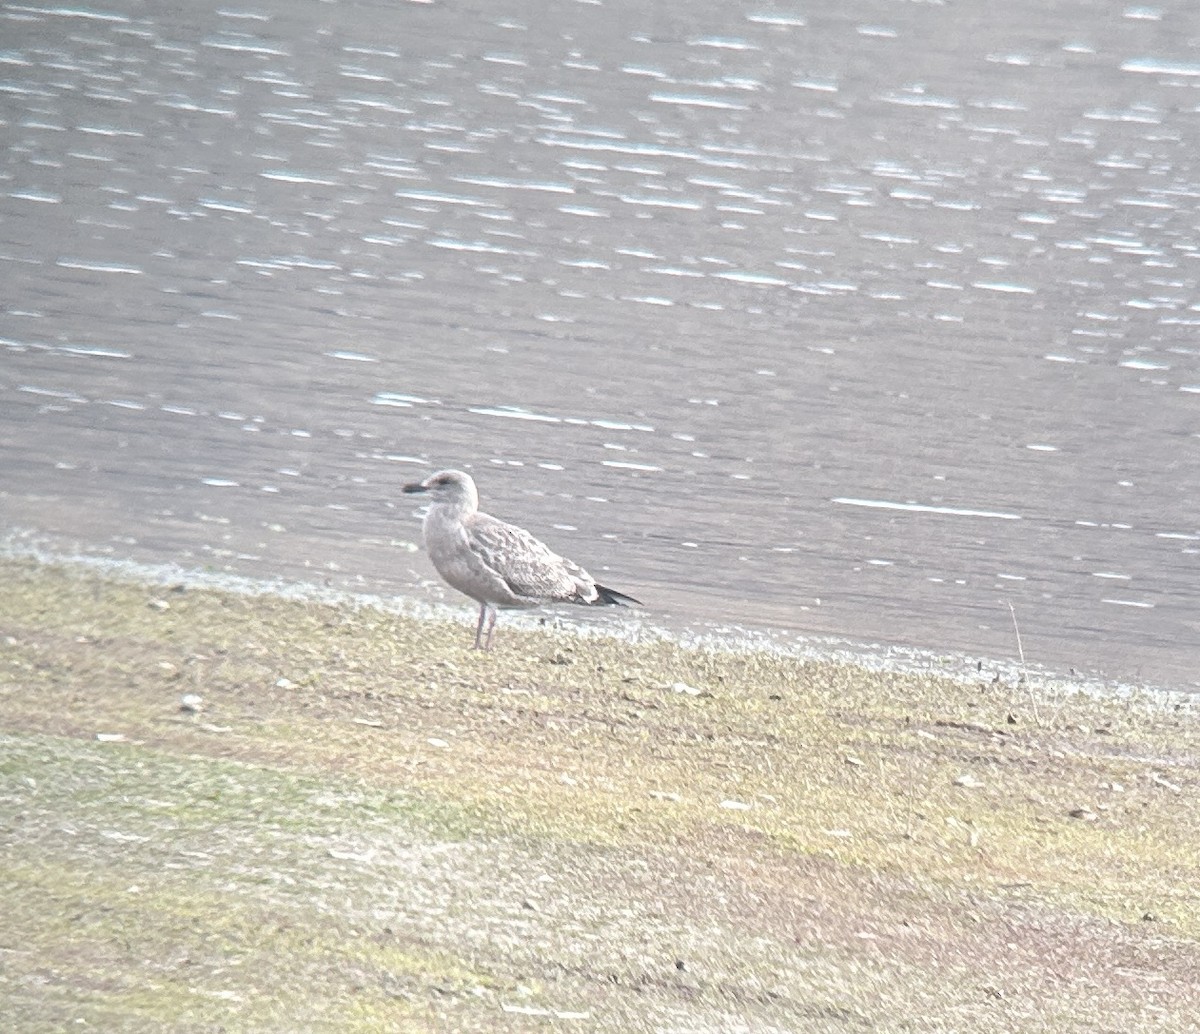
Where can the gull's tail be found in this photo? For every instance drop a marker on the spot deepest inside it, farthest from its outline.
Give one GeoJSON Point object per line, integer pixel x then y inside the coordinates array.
{"type": "Point", "coordinates": [606, 596]}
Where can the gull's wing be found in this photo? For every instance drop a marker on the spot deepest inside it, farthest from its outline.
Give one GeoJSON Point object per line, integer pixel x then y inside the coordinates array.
{"type": "Point", "coordinates": [526, 565]}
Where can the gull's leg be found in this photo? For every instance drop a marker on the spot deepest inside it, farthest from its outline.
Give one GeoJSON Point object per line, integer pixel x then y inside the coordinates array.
{"type": "Point", "coordinates": [483, 609]}
{"type": "Point", "coordinates": [491, 628]}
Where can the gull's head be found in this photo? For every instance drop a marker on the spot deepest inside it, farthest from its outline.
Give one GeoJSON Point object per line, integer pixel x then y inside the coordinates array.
{"type": "Point", "coordinates": [450, 488]}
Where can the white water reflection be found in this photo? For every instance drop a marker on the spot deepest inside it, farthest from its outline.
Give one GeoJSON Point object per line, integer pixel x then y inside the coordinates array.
{"type": "Point", "coordinates": [951, 511]}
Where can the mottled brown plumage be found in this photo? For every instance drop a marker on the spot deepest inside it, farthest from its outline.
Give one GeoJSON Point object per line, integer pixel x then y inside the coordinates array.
{"type": "Point", "coordinates": [495, 563]}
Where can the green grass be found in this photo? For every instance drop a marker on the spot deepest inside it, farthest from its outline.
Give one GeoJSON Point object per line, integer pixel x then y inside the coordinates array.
{"type": "Point", "coordinates": [369, 827]}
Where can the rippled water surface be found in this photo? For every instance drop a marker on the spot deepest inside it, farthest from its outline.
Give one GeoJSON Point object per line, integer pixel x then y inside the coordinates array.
{"type": "Point", "coordinates": [869, 318]}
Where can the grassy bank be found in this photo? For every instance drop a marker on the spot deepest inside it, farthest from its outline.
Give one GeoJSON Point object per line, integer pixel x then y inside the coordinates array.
{"type": "Point", "coordinates": [361, 825]}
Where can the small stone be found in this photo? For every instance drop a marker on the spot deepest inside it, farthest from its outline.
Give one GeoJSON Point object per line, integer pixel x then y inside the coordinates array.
{"type": "Point", "coordinates": [969, 781]}
{"type": "Point", "coordinates": [680, 965]}
{"type": "Point", "coordinates": [159, 605]}
{"type": "Point", "coordinates": [285, 684]}
{"type": "Point", "coordinates": [736, 805]}
{"type": "Point", "coordinates": [1086, 814]}
{"type": "Point", "coordinates": [683, 687]}
{"type": "Point", "coordinates": [850, 759]}
{"type": "Point", "coordinates": [110, 737]}
{"type": "Point", "coordinates": [433, 741]}
{"type": "Point", "coordinates": [191, 703]}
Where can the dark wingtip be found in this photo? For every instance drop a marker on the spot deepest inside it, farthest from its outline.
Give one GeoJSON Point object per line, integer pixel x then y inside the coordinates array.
{"type": "Point", "coordinates": [611, 596]}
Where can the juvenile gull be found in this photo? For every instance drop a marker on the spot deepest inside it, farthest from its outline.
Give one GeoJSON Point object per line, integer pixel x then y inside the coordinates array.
{"type": "Point", "coordinates": [497, 564]}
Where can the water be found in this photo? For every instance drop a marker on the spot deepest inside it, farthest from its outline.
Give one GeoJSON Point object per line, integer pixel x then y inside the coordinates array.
{"type": "Point", "coordinates": [868, 319]}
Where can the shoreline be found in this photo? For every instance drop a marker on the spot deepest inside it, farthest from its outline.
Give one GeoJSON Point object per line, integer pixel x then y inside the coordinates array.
{"type": "Point", "coordinates": [633, 628]}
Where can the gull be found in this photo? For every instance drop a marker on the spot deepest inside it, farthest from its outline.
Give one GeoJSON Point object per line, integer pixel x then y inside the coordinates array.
{"type": "Point", "coordinates": [495, 563]}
